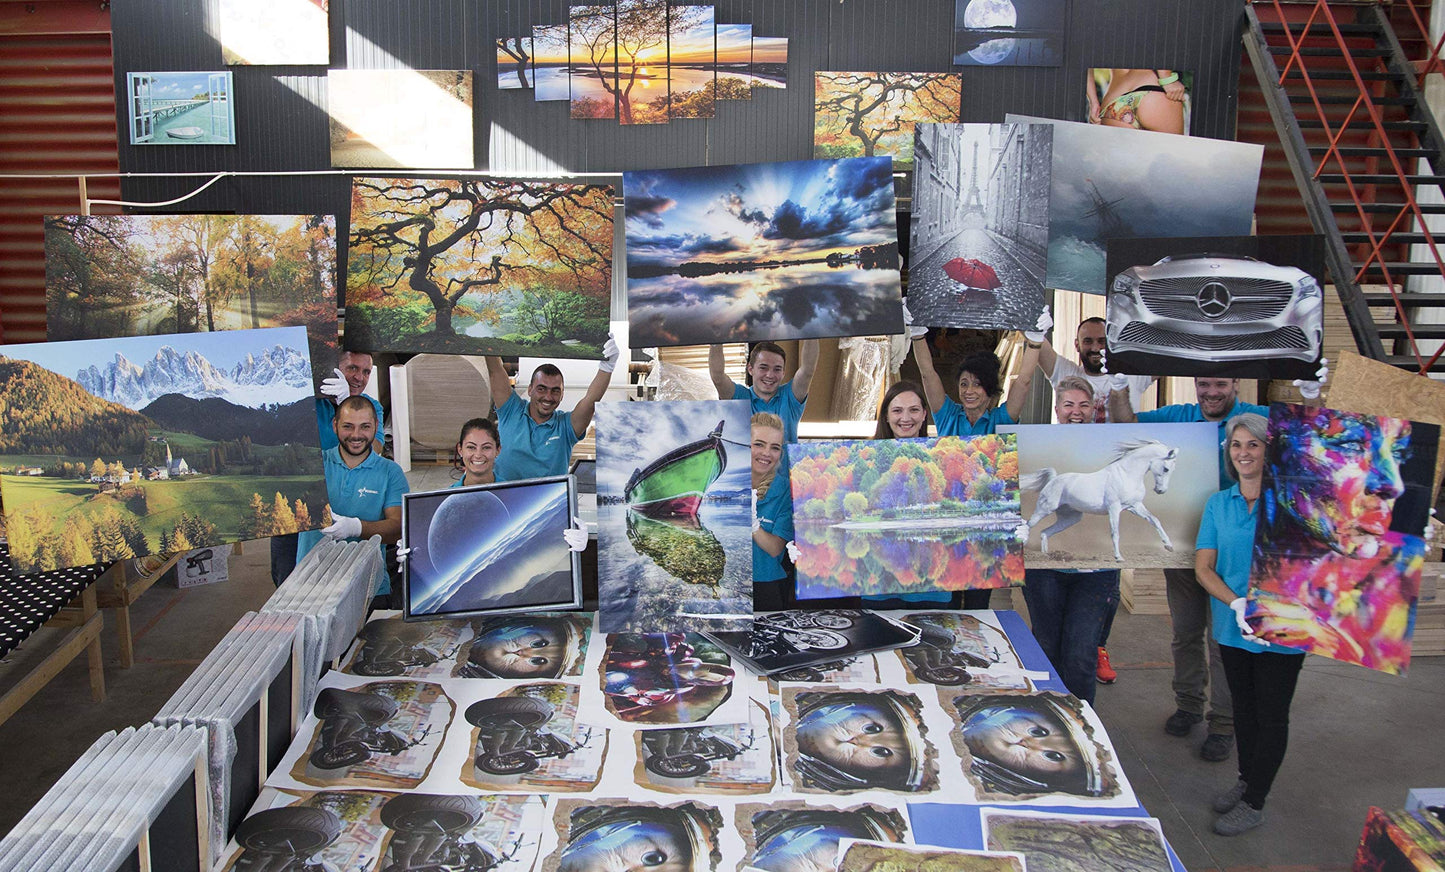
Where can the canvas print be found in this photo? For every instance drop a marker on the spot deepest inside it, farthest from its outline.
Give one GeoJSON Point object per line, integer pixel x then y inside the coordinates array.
{"type": "Point", "coordinates": [1158, 100]}
{"type": "Point", "coordinates": [1019, 748]}
{"type": "Point", "coordinates": [980, 227]}
{"type": "Point", "coordinates": [720, 758]}
{"type": "Point", "coordinates": [668, 679]}
{"type": "Point", "coordinates": [592, 59]}
{"type": "Point", "coordinates": [865, 856]}
{"type": "Point", "coordinates": [770, 62]}
{"type": "Point", "coordinates": [120, 448]}
{"type": "Point", "coordinates": [905, 515]}
{"type": "Point", "coordinates": [400, 118]}
{"type": "Point", "coordinates": [181, 108]}
{"type": "Point", "coordinates": [734, 61]}
{"type": "Point", "coordinates": [140, 275]}
{"type": "Point", "coordinates": [526, 647]}
{"type": "Point", "coordinates": [479, 266]}
{"type": "Point", "coordinates": [1224, 307]}
{"type": "Point", "coordinates": [550, 63]}
{"type": "Point", "coordinates": [674, 504]}
{"type": "Point", "coordinates": [1108, 183]}
{"type": "Point", "coordinates": [529, 739]}
{"type": "Point", "coordinates": [594, 833]}
{"type": "Point", "coordinates": [1068, 844]}
{"type": "Point", "coordinates": [781, 642]}
{"type": "Point", "coordinates": [797, 836]}
{"type": "Point", "coordinates": [1128, 495]}
{"type": "Point", "coordinates": [514, 62]}
{"type": "Point", "coordinates": [955, 649]}
{"type": "Point", "coordinates": [873, 114]}
{"type": "Point", "coordinates": [490, 548]}
{"type": "Point", "coordinates": [762, 251]}
{"type": "Point", "coordinates": [389, 646]}
{"type": "Point", "coordinates": [619, 61]}
{"type": "Point", "coordinates": [363, 829]}
{"type": "Point", "coordinates": [1009, 33]}
{"type": "Point", "coordinates": [842, 741]}
{"type": "Point", "coordinates": [692, 61]}
{"type": "Point", "coordinates": [289, 32]}
{"type": "Point", "coordinates": [1338, 549]}
{"type": "Point", "coordinates": [381, 734]}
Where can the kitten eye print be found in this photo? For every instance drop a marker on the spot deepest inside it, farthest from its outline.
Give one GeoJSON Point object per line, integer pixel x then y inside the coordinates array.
{"type": "Point", "coordinates": [654, 858]}
{"type": "Point", "coordinates": [1038, 732]}
{"type": "Point", "coordinates": [882, 752]}
{"type": "Point", "coordinates": [872, 728]}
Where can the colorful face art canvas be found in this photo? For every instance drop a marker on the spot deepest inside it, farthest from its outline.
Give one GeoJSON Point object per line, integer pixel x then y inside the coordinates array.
{"type": "Point", "coordinates": [1009, 33]}
{"type": "Point", "coordinates": [793, 250]}
{"type": "Point", "coordinates": [868, 114]}
{"type": "Point", "coordinates": [1159, 100]}
{"type": "Point", "coordinates": [1109, 183]}
{"type": "Point", "coordinates": [906, 515]}
{"type": "Point", "coordinates": [479, 266]}
{"type": "Point", "coordinates": [145, 275]}
{"type": "Point", "coordinates": [1338, 549]}
{"type": "Point", "coordinates": [120, 448]}
{"type": "Point", "coordinates": [674, 504]}
{"type": "Point", "coordinates": [980, 242]}
{"type": "Point", "coordinates": [1126, 495]}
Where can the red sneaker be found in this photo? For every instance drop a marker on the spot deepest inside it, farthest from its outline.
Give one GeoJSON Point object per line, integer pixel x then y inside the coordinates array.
{"type": "Point", "coordinates": [1104, 672]}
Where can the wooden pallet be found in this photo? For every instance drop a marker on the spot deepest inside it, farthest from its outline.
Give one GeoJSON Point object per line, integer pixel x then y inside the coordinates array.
{"type": "Point", "coordinates": [1142, 592]}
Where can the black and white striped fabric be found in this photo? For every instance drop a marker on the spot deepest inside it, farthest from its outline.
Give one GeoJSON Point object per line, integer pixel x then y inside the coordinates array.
{"type": "Point", "coordinates": [28, 601]}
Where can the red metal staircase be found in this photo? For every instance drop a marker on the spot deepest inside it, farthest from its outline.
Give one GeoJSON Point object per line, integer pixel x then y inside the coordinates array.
{"type": "Point", "coordinates": [1345, 91]}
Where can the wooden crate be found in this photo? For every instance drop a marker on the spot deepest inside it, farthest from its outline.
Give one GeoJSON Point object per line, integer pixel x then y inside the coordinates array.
{"type": "Point", "coordinates": [1142, 592]}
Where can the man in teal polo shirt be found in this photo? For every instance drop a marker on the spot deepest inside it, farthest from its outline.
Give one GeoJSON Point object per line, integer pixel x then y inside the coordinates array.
{"type": "Point", "coordinates": [537, 438]}
{"type": "Point", "coordinates": [769, 393]}
{"type": "Point", "coordinates": [363, 488]}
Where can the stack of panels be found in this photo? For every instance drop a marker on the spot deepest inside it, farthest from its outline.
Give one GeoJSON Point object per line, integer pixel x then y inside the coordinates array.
{"type": "Point", "coordinates": [331, 587]}
{"type": "Point", "coordinates": [135, 800]}
{"type": "Point", "coordinates": [249, 694]}
{"type": "Point", "coordinates": [1429, 640]}
{"type": "Point", "coordinates": [1142, 592]}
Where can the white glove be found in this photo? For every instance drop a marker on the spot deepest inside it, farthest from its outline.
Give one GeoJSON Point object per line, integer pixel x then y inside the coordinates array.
{"type": "Point", "coordinates": [794, 552]}
{"type": "Point", "coordinates": [1118, 382]}
{"type": "Point", "coordinates": [401, 554]}
{"type": "Point", "coordinates": [1237, 605]}
{"type": "Point", "coordinates": [913, 332]}
{"type": "Point", "coordinates": [1310, 388]}
{"type": "Point", "coordinates": [1041, 329]}
{"type": "Point", "coordinates": [757, 524]}
{"type": "Point", "coordinates": [1431, 526]}
{"type": "Point", "coordinates": [575, 536]}
{"type": "Point", "coordinates": [336, 387]}
{"type": "Point", "coordinates": [342, 527]}
{"type": "Point", "coordinates": [610, 353]}
{"type": "Point", "coordinates": [1021, 532]}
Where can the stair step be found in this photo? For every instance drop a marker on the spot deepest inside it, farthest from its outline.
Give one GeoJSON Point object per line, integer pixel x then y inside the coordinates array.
{"type": "Point", "coordinates": [1371, 151]}
{"type": "Point", "coordinates": [1402, 269]}
{"type": "Point", "coordinates": [1354, 238]}
{"type": "Point", "coordinates": [1378, 179]}
{"type": "Point", "coordinates": [1388, 208]}
{"type": "Point", "coordinates": [1349, 99]}
{"type": "Point", "coordinates": [1331, 52]}
{"type": "Point", "coordinates": [1361, 120]}
{"type": "Point", "coordinates": [1421, 331]}
{"type": "Point", "coordinates": [1406, 299]}
{"type": "Point", "coordinates": [1347, 75]}
{"type": "Point", "coordinates": [1319, 28]}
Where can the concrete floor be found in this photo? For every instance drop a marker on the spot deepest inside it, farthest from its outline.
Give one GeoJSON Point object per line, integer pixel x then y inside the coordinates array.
{"type": "Point", "coordinates": [1359, 738]}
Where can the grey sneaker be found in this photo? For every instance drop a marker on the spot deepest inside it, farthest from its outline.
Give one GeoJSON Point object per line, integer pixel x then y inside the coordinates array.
{"type": "Point", "coordinates": [1240, 819]}
{"type": "Point", "coordinates": [1229, 798]}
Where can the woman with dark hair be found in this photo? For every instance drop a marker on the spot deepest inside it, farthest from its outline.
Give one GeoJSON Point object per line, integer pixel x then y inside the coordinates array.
{"type": "Point", "coordinates": [773, 522]}
{"type": "Point", "coordinates": [476, 453]}
{"type": "Point", "coordinates": [903, 414]}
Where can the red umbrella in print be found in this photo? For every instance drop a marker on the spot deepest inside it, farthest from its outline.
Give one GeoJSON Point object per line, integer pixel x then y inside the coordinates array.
{"type": "Point", "coordinates": [972, 272]}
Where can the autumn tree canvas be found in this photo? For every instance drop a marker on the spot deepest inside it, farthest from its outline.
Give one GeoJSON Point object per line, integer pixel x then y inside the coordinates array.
{"type": "Point", "coordinates": [891, 516]}
{"type": "Point", "coordinates": [479, 266]}
{"type": "Point", "coordinates": [140, 275]}
{"type": "Point", "coordinates": [120, 448]}
{"type": "Point", "coordinates": [867, 114]}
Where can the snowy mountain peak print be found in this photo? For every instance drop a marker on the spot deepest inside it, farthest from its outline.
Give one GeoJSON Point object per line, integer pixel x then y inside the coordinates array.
{"type": "Point", "coordinates": [278, 374]}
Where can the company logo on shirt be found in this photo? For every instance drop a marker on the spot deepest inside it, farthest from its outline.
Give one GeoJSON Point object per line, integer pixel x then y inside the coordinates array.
{"type": "Point", "coordinates": [553, 438]}
{"type": "Point", "coordinates": [364, 491]}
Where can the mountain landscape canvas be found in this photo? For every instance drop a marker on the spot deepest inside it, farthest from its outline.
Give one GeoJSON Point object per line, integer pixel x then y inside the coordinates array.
{"type": "Point", "coordinates": [494, 548]}
{"type": "Point", "coordinates": [119, 448]}
{"type": "Point", "coordinates": [145, 275]}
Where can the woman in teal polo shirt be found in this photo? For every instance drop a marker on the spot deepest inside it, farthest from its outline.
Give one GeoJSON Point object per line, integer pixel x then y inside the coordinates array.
{"type": "Point", "coordinates": [773, 527]}
{"type": "Point", "coordinates": [476, 452]}
{"type": "Point", "coordinates": [1261, 676]}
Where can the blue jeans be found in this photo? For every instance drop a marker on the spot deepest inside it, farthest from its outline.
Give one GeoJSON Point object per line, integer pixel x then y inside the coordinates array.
{"type": "Point", "coordinates": [1068, 611]}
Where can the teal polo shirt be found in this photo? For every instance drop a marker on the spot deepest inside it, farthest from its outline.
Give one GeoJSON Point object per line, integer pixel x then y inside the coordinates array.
{"type": "Point", "coordinates": [1228, 527]}
{"type": "Point", "coordinates": [365, 492]}
{"type": "Point", "coordinates": [326, 413]}
{"type": "Point", "coordinates": [529, 449]}
{"type": "Point", "coordinates": [785, 404]}
{"type": "Point", "coordinates": [775, 515]}
{"type": "Point", "coordinates": [1188, 413]}
{"type": "Point", "coordinates": [951, 420]}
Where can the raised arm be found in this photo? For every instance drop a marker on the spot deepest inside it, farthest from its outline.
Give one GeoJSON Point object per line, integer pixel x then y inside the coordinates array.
{"type": "Point", "coordinates": [1018, 392]}
{"type": "Point", "coordinates": [932, 384]}
{"type": "Point", "coordinates": [807, 365]}
{"type": "Point", "coordinates": [1121, 409]}
{"type": "Point", "coordinates": [582, 412]}
{"type": "Point", "coordinates": [718, 373]}
{"type": "Point", "coordinates": [501, 382]}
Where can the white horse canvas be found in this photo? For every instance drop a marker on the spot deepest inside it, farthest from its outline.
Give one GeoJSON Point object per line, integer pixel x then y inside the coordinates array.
{"type": "Point", "coordinates": [1114, 496]}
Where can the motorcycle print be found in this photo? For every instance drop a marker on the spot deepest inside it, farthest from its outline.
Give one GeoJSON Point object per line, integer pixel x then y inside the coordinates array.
{"type": "Point", "coordinates": [381, 734]}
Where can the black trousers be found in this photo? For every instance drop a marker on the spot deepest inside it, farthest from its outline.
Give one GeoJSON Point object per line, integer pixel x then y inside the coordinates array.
{"type": "Point", "coordinates": [1262, 684]}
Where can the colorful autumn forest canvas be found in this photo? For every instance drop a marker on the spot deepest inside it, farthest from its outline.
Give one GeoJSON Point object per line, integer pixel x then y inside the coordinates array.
{"type": "Point", "coordinates": [906, 515]}
{"type": "Point", "coordinates": [479, 266]}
